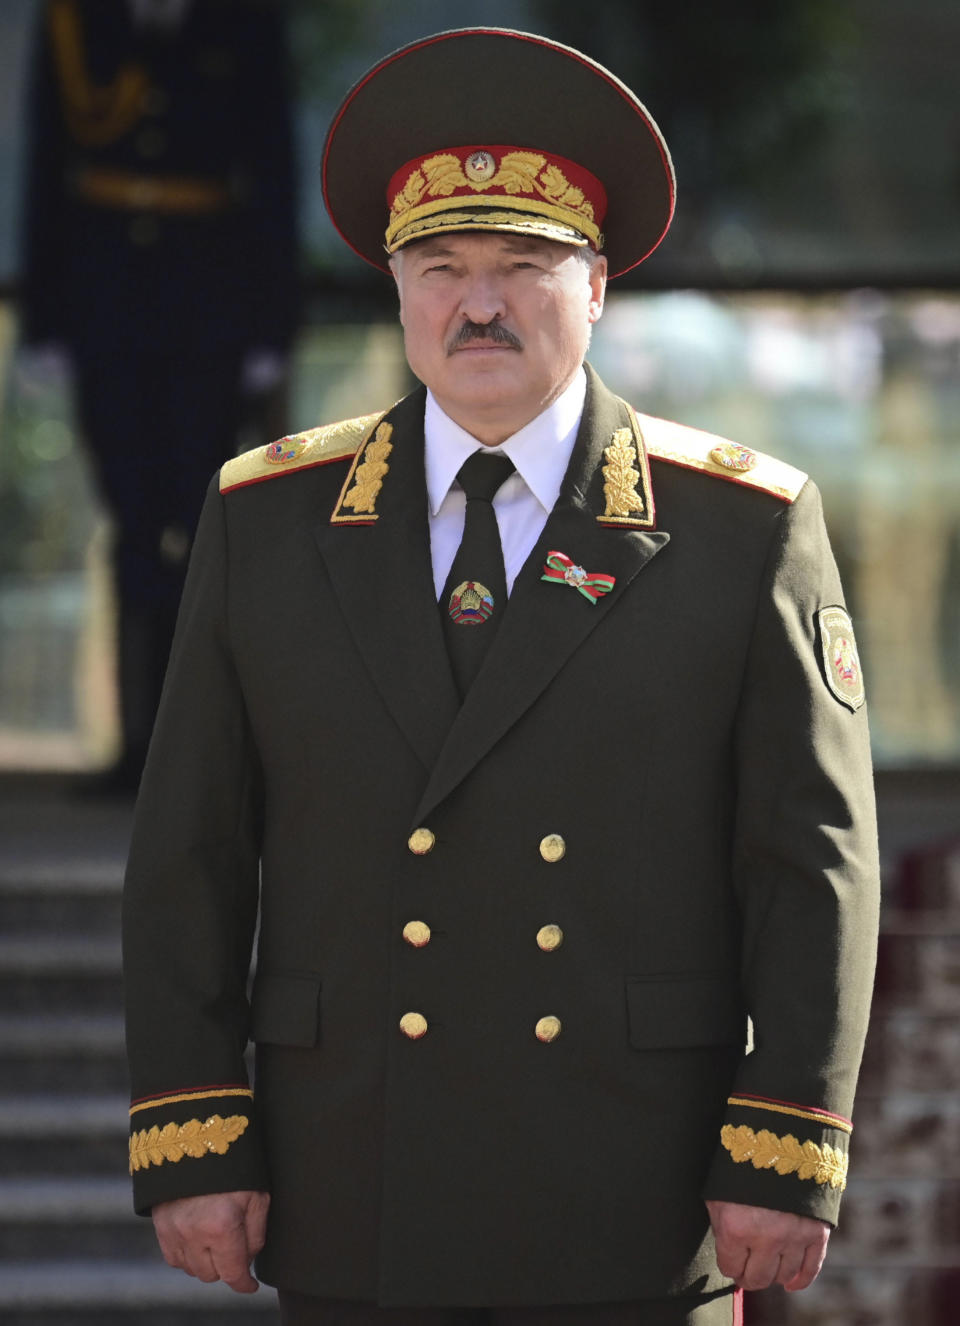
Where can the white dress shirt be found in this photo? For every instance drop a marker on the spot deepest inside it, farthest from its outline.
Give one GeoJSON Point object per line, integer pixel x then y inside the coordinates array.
{"type": "Point", "coordinates": [540, 452]}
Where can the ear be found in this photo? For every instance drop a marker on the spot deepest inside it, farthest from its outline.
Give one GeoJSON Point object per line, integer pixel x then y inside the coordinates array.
{"type": "Point", "coordinates": [598, 287]}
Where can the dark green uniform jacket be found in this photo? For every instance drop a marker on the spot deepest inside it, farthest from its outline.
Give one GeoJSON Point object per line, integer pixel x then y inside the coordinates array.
{"type": "Point", "coordinates": [650, 820]}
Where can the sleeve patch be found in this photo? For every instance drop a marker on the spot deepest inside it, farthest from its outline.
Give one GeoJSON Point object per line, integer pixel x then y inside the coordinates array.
{"type": "Point", "coordinates": [841, 662]}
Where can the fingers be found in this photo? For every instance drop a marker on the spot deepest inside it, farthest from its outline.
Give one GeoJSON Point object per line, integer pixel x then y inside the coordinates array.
{"type": "Point", "coordinates": [214, 1237]}
{"type": "Point", "coordinates": [757, 1247]}
{"type": "Point", "coordinates": [809, 1269]}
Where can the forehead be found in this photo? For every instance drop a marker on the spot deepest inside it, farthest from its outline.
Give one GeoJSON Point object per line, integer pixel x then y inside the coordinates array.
{"type": "Point", "coordinates": [465, 243]}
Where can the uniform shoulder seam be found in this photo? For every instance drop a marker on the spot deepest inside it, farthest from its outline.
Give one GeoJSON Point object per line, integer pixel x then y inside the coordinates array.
{"type": "Point", "coordinates": [298, 451]}
{"type": "Point", "coordinates": [694, 449]}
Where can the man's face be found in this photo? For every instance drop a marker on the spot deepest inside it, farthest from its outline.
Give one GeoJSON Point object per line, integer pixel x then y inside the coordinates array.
{"type": "Point", "coordinates": [496, 325]}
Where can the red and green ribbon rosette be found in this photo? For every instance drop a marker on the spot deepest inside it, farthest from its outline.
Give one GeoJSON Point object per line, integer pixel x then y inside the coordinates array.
{"type": "Point", "coordinates": [562, 570]}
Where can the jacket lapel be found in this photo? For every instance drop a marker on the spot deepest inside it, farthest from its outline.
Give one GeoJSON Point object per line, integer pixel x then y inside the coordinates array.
{"type": "Point", "coordinates": [546, 622]}
{"type": "Point", "coordinates": [381, 573]}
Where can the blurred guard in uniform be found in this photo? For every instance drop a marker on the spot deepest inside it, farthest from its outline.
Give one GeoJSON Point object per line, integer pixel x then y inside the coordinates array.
{"type": "Point", "coordinates": [160, 253]}
{"type": "Point", "coordinates": [533, 729]}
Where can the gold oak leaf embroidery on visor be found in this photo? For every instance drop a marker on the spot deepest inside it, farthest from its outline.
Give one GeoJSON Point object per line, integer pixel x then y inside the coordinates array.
{"type": "Point", "coordinates": [152, 1146]}
{"type": "Point", "coordinates": [620, 479]}
{"type": "Point", "coordinates": [519, 173]}
{"type": "Point", "coordinates": [787, 1155]}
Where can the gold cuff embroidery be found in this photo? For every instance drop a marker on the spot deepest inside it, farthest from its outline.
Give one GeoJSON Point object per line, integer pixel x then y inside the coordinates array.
{"type": "Point", "coordinates": [189, 1095]}
{"type": "Point", "coordinates": [828, 1120]}
{"type": "Point", "coordinates": [174, 1141]}
{"type": "Point", "coordinates": [787, 1155]}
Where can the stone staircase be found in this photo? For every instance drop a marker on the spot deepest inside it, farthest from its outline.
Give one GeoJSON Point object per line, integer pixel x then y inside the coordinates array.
{"type": "Point", "coordinates": [71, 1250]}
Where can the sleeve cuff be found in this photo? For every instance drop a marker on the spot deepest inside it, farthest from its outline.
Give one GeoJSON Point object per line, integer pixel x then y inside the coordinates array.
{"type": "Point", "coordinates": [782, 1155]}
{"type": "Point", "coordinates": [195, 1141]}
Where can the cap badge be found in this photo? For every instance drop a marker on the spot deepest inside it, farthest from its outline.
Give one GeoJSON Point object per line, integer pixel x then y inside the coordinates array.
{"type": "Point", "coordinates": [470, 603]}
{"type": "Point", "coordinates": [841, 662]}
{"type": "Point", "coordinates": [479, 167]}
{"type": "Point", "coordinates": [734, 457]}
{"type": "Point", "coordinates": [287, 449]}
{"type": "Point", "coordinates": [561, 570]}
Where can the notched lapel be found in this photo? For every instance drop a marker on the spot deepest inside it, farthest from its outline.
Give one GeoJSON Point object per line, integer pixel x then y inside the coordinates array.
{"type": "Point", "coordinates": [382, 576]}
{"type": "Point", "coordinates": [546, 622]}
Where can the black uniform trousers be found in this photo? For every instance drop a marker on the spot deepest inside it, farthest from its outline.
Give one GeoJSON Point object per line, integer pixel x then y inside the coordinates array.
{"type": "Point", "coordinates": [721, 1309]}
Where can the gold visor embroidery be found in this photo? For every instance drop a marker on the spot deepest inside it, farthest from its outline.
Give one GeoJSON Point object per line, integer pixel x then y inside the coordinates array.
{"type": "Point", "coordinates": [787, 1155]}
{"type": "Point", "coordinates": [521, 173]}
{"type": "Point", "coordinates": [152, 1146]}
{"type": "Point", "coordinates": [368, 477]}
{"type": "Point", "coordinates": [620, 479]}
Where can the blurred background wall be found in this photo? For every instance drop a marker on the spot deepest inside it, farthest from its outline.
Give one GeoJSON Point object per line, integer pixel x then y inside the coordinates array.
{"type": "Point", "coordinates": [806, 302]}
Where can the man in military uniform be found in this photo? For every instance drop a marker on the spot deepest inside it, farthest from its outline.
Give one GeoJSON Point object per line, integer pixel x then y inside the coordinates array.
{"type": "Point", "coordinates": [524, 862]}
{"type": "Point", "coordinates": [159, 256]}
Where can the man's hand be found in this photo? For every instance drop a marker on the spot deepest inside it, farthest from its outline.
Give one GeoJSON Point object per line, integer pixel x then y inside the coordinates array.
{"type": "Point", "coordinates": [214, 1237]}
{"type": "Point", "coordinates": [757, 1247]}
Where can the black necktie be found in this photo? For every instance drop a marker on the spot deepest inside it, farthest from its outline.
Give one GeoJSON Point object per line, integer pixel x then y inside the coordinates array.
{"type": "Point", "coordinates": [475, 595]}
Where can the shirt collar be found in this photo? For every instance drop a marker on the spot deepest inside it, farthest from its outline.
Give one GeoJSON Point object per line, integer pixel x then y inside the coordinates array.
{"type": "Point", "coordinates": [540, 451]}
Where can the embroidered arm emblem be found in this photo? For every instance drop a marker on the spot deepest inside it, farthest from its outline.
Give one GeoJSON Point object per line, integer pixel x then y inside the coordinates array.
{"type": "Point", "coordinates": [620, 478]}
{"type": "Point", "coordinates": [152, 1146]}
{"type": "Point", "coordinates": [787, 1155]}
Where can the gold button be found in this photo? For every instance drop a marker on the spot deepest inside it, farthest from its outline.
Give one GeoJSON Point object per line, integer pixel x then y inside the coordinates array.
{"type": "Point", "coordinates": [414, 1025]}
{"type": "Point", "coordinates": [549, 937]}
{"type": "Point", "coordinates": [417, 933]}
{"type": "Point", "coordinates": [548, 1029]}
{"type": "Point", "coordinates": [421, 841]}
{"type": "Point", "coordinates": [552, 847]}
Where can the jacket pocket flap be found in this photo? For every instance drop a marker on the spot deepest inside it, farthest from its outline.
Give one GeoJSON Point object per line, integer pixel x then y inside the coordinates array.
{"type": "Point", "coordinates": [684, 1012]}
{"type": "Point", "coordinates": [286, 1009]}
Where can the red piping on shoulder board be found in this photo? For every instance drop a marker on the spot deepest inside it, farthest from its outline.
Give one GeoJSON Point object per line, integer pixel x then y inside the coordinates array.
{"type": "Point", "coordinates": [262, 478]}
{"type": "Point", "coordinates": [516, 36]}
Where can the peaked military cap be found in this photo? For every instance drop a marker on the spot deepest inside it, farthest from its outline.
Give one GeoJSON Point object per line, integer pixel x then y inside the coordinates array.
{"type": "Point", "coordinates": [490, 129]}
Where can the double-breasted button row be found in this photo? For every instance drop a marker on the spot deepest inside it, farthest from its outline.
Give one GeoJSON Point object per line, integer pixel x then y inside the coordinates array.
{"type": "Point", "coordinates": [421, 841]}
{"type": "Point", "coordinates": [414, 1026]}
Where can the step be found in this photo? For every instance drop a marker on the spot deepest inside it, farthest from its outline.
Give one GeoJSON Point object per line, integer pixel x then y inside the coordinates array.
{"type": "Point", "coordinates": [72, 1216]}
{"type": "Point", "coordinates": [61, 1051]}
{"type": "Point", "coordinates": [78, 897]}
{"type": "Point", "coordinates": [44, 973]}
{"type": "Point", "coordinates": [110, 1292]}
{"type": "Point", "coordinates": [46, 1134]}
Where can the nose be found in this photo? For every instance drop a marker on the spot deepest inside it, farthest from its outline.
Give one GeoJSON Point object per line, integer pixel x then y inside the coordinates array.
{"type": "Point", "coordinates": [481, 299]}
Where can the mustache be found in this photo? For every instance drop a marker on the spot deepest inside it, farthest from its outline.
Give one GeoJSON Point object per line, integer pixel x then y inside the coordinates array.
{"type": "Point", "coordinates": [484, 331]}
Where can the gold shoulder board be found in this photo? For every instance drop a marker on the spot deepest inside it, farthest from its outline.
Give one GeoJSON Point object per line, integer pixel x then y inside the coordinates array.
{"type": "Point", "coordinates": [695, 450]}
{"type": "Point", "coordinates": [317, 446]}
